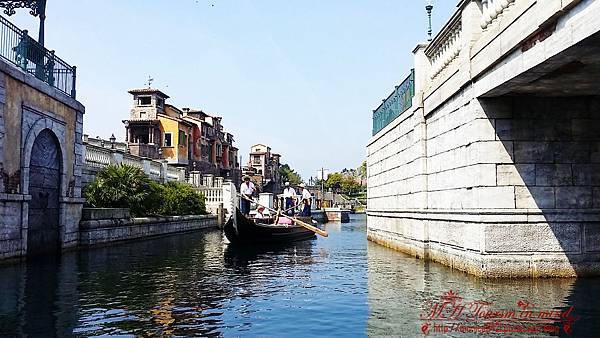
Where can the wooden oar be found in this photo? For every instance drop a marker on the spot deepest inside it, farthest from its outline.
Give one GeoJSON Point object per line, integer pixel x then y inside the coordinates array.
{"type": "Point", "coordinates": [299, 222]}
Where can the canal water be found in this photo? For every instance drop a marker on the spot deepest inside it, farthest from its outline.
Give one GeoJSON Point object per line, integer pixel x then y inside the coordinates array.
{"type": "Point", "coordinates": [195, 285]}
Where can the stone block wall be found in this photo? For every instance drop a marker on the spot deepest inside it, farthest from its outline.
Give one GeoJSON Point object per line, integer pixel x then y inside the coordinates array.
{"type": "Point", "coordinates": [511, 188]}
{"type": "Point", "coordinates": [30, 108]}
{"type": "Point", "coordinates": [462, 154]}
{"type": "Point", "coordinates": [396, 165]}
{"type": "Point", "coordinates": [105, 229]}
{"type": "Point", "coordinates": [555, 151]}
{"type": "Point", "coordinates": [508, 136]}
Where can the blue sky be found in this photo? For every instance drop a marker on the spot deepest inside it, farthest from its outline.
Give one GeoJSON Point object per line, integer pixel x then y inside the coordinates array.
{"type": "Point", "coordinates": [300, 76]}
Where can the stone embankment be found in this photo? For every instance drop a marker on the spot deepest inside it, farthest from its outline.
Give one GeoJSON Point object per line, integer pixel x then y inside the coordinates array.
{"type": "Point", "coordinates": [102, 226]}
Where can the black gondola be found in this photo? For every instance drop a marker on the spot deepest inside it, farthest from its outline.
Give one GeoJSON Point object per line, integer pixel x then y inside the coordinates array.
{"type": "Point", "coordinates": [241, 230]}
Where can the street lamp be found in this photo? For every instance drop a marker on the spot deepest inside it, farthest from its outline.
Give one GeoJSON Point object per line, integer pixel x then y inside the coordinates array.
{"type": "Point", "coordinates": [112, 140]}
{"type": "Point", "coordinates": [429, 8]}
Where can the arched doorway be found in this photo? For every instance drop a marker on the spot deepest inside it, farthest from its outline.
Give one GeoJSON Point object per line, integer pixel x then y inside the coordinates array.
{"type": "Point", "coordinates": [43, 234]}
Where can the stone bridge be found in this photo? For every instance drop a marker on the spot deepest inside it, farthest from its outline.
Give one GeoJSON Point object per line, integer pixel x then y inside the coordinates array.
{"type": "Point", "coordinates": [494, 167]}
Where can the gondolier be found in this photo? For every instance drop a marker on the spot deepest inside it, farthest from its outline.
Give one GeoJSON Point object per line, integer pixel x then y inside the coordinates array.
{"type": "Point", "coordinates": [247, 189]}
{"type": "Point", "coordinates": [305, 200]}
{"type": "Point", "coordinates": [289, 195]}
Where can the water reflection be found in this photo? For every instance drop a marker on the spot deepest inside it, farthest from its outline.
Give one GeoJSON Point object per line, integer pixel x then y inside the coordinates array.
{"type": "Point", "coordinates": [195, 285]}
{"type": "Point", "coordinates": [189, 285]}
{"type": "Point", "coordinates": [413, 286]}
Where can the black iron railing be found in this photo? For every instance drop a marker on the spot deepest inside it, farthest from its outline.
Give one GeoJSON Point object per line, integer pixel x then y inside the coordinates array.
{"type": "Point", "coordinates": [18, 48]}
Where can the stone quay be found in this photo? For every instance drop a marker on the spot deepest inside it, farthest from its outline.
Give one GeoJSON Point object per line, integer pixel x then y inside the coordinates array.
{"type": "Point", "coordinates": [490, 163]}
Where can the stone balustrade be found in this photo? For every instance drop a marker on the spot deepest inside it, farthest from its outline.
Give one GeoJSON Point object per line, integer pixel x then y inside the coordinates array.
{"type": "Point", "coordinates": [213, 198]}
{"type": "Point", "coordinates": [218, 192]}
{"type": "Point", "coordinates": [445, 48]}
{"type": "Point", "coordinates": [492, 9]}
{"type": "Point", "coordinates": [98, 157]}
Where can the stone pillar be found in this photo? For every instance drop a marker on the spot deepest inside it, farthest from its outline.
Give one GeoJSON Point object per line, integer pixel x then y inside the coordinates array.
{"type": "Point", "coordinates": [266, 199]}
{"type": "Point", "coordinates": [163, 171]}
{"type": "Point", "coordinates": [230, 199]}
{"type": "Point", "coordinates": [116, 157]}
{"type": "Point", "coordinates": [146, 166]}
{"type": "Point", "coordinates": [470, 32]}
{"type": "Point", "coordinates": [126, 133]}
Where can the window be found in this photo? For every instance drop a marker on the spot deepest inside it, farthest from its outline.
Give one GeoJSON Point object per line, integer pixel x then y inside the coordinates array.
{"type": "Point", "coordinates": [144, 100]}
{"type": "Point", "coordinates": [143, 115]}
{"type": "Point", "coordinates": [168, 140]}
{"type": "Point", "coordinates": [182, 138]}
{"type": "Point", "coordinates": [159, 102]}
{"type": "Point", "coordinates": [256, 160]}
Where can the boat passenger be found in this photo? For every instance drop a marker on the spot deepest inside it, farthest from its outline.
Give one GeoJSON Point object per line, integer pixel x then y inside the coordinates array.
{"type": "Point", "coordinates": [289, 195]}
{"type": "Point", "coordinates": [260, 212]}
{"type": "Point", "coordinates": [306, 199]}
{"type": "Point", "coordinates": [247, 189]}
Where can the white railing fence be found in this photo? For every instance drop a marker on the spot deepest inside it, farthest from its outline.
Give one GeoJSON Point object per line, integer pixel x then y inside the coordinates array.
{"type": "Point", "coordinates": [492, 9]}
{"type": "Point", "coordinates": [218, 192]}
{"type": "Point", "coordinates": [98, 157]}
{"type": "Point", "coordinates": [446, 49]}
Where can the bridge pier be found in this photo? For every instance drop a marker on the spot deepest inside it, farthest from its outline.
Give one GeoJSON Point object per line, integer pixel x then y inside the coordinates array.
{"type": "Point", "coordinates": [495, 169]}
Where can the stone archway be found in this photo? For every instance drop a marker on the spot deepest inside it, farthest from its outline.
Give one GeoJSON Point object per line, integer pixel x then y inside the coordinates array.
{"type": "Point", "coordinates": [43, 234]}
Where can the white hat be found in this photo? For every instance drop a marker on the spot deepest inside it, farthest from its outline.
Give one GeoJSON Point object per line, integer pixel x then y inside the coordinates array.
{"type": "Point", "coordinates": [287, 184]}
{"type": "Point", "coordinates": [302, 185]}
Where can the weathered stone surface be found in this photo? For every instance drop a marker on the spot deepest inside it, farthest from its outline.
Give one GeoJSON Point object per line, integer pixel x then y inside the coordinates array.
{"type": "Point", "coordinates": [585, 129]}
{"type": "Point", "coordinates": [561, 237]}
{"type": "Point", "coordinates": [519, 174]}
{"type": "Point", "coordinates": [596, 197]}
{"type": "Point", "coordinates": [533, 152]}
{"type": "Point", "coordinates": [572, 152]}
{"type": "Point", "coordinates": [573, 197]}
{"type": "Point", "coordinates": [586, 174]}
{"type": "Point", "coordinates": [104, 213]}
{"type": "Point", "coordinates": [595, 152]}
{"type": "Point", "coordinates": [534, 197]}
{"type": "Point", "coordinates": [553, 174]}
{"type": "Point", "coordinates": [592, 237]}
{"type": "Point", "coordinates": [96, 232]}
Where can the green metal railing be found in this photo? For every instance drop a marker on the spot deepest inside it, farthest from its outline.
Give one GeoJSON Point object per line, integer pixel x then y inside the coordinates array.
{"type": "Point", "coordinates": [397, 103]}
{"type": "Point", "coordinates": [18, 48]}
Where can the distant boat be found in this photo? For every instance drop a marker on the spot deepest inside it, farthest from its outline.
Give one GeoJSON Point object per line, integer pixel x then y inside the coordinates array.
{"type": "Point", "coordinates": [241, 230]}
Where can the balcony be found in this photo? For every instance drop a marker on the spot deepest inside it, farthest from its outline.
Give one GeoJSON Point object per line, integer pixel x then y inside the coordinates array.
{"type": "Point", "coordinates": [144, 150]}
{"type": "Point", "coordinates": [18, 48]}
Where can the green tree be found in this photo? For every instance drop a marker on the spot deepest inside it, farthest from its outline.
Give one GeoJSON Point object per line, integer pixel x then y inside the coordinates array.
{"type": "Point", "coordinates": [288, 174]}
{"type": "Point", "coordinates": [362, 170]}
{"type": "Point", "coordinates": [182, 199]}
{"type": "Point", "coordinates": [334, 181]}
{"type": "Point", "coordinates": [124, 186]}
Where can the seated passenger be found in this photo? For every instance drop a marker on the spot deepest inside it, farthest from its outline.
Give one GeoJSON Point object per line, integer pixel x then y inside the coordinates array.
{"type": "Point", "coordinates": [260, 212]}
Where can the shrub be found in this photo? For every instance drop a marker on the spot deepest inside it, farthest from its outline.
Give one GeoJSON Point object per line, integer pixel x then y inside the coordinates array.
{"type": "Point", "coordinates": [182, 199]}
{"type": "Point", "coordinates": [124, 186]}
